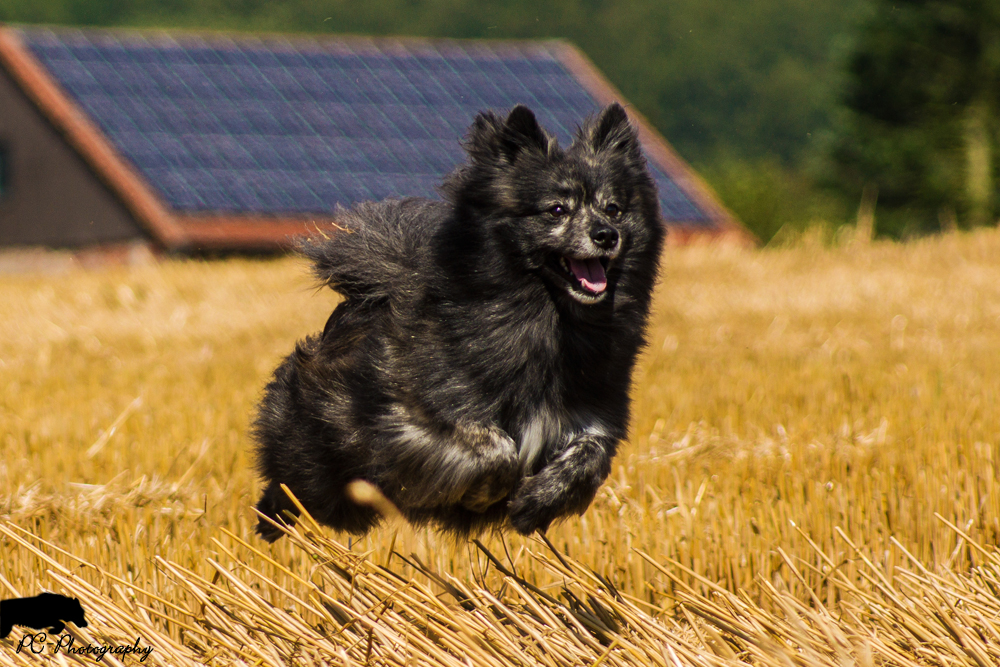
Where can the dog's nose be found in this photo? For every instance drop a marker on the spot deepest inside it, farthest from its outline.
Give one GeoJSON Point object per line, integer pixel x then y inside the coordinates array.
{"type": "Point", "coordinates": [604, 237]}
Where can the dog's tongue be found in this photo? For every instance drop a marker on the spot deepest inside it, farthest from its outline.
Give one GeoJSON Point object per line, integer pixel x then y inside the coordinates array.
{"type": "Point", "coordinates": [590, 273]}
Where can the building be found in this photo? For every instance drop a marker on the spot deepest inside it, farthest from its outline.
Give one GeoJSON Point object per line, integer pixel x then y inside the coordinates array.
{"type": "Point", "coordinates": [198, 142]}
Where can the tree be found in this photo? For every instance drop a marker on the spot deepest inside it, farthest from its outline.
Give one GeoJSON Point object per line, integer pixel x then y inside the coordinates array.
{"type": "Point", "coordinates": [918, 120]}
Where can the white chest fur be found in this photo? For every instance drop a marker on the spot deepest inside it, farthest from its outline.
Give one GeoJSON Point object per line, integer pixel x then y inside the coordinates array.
{"type": "Point", "coordinates": [549, 429]}
{"type": "Point", "coordinates": [545, 429]}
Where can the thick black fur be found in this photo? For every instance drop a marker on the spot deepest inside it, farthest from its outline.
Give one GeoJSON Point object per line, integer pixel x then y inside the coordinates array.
{"type": "Point", "coordinates": [469, 374]}
{"type": "Point", "coordinates": [47, 610]}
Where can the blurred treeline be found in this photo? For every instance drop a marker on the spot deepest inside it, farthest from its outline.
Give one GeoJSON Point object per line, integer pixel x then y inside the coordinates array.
{"type": "Point", "coordinates": [789, 109]}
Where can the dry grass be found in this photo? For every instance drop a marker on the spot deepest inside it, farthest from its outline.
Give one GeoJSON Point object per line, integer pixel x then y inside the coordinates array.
{"type": "Point", "coordinates": [811, 480]}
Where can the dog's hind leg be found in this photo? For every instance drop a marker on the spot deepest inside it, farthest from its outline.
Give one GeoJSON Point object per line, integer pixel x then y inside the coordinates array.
{"type": "Point", "coordinates": [564, 486]}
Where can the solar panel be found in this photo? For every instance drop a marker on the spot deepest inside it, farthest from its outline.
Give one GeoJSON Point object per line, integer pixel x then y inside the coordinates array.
{"type": "Point", "coordinates": [226, 126]}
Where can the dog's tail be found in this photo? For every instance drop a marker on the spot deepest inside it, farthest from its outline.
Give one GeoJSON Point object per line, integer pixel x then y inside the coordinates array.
{"type": "Point", "coordinates": [369, 495]}
{"type": "Point", "coordinates": [376, 250]}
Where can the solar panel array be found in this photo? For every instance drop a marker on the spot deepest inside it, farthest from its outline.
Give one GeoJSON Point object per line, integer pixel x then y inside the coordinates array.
{"type": "Point", "coordinates": [277, 127]}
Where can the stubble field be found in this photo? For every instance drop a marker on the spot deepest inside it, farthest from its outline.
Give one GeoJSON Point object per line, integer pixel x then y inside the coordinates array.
{"type": "Point", "coordinates": [811, 477]}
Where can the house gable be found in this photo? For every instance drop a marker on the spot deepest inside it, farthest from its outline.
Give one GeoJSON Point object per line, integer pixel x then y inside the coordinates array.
{"type": "Point", "coordinates": [50, 195]}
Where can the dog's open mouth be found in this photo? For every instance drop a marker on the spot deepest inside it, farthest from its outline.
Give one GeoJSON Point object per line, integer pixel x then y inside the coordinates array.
{"type": "Point", "coordinates": [587, 277]}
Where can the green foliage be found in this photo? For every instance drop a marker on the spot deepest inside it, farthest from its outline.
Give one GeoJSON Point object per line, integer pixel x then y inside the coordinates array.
{"type": "Point", "coordinates": [769, 197]}
{"type": "Point", "coordinates": [918, 113]}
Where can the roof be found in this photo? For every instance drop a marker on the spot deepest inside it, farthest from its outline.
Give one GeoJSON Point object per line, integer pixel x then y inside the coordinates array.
{"type": "Point", "coordinates": [216, 140]}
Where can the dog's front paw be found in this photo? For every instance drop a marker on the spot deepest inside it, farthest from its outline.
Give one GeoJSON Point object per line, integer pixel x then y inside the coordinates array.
{"type": "Point", "coordinates": [565, 486]}
{"type": "Point", "coordinates": [489, 488]}
{"type": "Point", "coordinates": [495, 457]}
{"type": "Point", "coordinates": [535, 505]}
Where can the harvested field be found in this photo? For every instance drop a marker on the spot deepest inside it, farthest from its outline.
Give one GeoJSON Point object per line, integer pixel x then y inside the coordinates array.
{"type": "Point", "coordinates": [811, 478]}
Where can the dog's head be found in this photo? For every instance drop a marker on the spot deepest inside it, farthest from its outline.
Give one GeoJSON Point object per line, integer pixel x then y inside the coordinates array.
{"type": "Point", "coordinates": [580, 217]}
{"type": "Point", "coordinates": [74, 613]}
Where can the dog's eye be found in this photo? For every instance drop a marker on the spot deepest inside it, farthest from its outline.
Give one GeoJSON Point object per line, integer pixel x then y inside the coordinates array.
{"type": "Point", "coordinates": [612, 210]}
{"type": "Point", "coordinates": [558, 211]}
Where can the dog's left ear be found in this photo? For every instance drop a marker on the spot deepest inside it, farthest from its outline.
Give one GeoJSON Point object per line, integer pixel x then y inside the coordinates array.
{"type": "Point", "coordinates": [612, 131]}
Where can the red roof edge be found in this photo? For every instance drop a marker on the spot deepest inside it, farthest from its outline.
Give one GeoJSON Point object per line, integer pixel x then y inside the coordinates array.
{"type": "Point", "coordinates": [725, 225]}
{"type": "Point", "coordinates": [90, 142]}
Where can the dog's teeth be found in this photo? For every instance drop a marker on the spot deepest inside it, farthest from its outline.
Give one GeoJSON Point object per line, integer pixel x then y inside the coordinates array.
{"type": "Point", "coordinates": [564, 263]}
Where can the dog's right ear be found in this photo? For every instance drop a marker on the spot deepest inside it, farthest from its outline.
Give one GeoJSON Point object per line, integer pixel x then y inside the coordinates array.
{"type": "Point", "coordinates": [522, 132]}
{"type": "Point", "coordinates": [492, 138]}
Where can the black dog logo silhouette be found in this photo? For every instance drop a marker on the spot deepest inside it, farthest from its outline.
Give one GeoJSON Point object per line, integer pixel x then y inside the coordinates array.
{"type": "Point", "coordinates": [51, 612]}
{"type": "Point", "coordinates": [48, 610]}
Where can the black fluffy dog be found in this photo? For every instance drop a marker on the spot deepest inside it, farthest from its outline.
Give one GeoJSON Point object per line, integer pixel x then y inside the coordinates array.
{"type": "Point", "coordinates": [47, 610]}
{"type": "Point", "coordinates": [477, 371]}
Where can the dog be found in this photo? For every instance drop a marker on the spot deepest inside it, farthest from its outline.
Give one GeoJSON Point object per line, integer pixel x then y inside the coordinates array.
{"type": "Point", "coordinates": [477, 371]}
{"type": "Point", "coordinates": [47, 610]}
